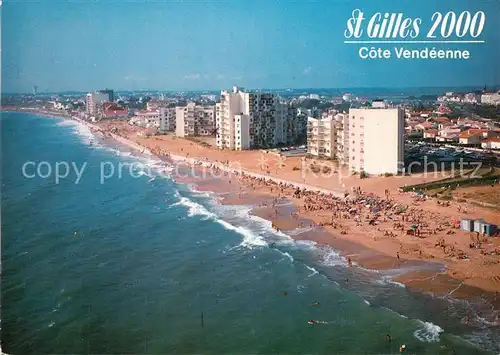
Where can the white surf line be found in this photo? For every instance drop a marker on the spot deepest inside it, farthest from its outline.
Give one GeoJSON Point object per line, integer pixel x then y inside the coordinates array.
{"type": "Point", "coordinates": [210, 164]}
{"type": "Point", "coordinates": [456, 288]}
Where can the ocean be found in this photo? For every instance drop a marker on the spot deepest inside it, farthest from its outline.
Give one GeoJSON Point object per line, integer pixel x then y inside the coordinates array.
{"type": "Point", "coordinates": [143, 264]}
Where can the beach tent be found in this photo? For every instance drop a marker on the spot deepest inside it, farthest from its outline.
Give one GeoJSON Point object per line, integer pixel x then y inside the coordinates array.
{"type": "Point", "coordinates": [467, 224]}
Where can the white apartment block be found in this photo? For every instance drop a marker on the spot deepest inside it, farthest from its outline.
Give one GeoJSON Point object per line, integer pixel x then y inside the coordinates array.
{"type": "Point", "coordinates": [375, 140]}
{"type": "Point", "coordinates": [246, 120]}
{"type": "Point", "coordinates": [472, 98]}
{"type": "Point", "coordinates": [162, 118]}
{"type": "Point", "coordinates": [194, 120]}
{"type": "Point", "coordinates": [322, 136]}
{"type": "Point", "coordinates": [491, 99]}
{"type": "Point", "coordinates": [147, 119]}
{"type": "Point", "coordinates": [93, 101]}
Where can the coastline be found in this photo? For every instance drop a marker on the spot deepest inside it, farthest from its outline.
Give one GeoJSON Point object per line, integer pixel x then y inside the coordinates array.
{"type": "Point", "coordinates": [382, 256]}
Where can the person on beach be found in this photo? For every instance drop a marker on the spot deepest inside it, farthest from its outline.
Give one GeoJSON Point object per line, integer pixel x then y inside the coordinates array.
{"type": "Point", "coordinates": [349, 261]}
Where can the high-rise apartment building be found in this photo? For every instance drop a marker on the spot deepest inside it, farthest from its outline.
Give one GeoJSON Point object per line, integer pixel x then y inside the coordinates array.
{"type": "Point", "coordinates": [247, 120]}
{"type": "Point", "coordinates": [94, 100]}
{"type": "Point", "coordinates": [195, 120]}
{"type": "Point", "coordinates": [375, 140]}
{"type": "Point", "coordinates": [367, 139]}
{"type": "Point", "coordinates": [322, 136]}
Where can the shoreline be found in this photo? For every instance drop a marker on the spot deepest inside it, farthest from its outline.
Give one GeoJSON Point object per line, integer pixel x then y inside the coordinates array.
{"type": "Point", "coordinates": [315, 216]}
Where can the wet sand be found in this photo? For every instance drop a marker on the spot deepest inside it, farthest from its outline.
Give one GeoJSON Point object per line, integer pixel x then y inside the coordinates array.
{"type": "Point", "coordinates": [430, 277]}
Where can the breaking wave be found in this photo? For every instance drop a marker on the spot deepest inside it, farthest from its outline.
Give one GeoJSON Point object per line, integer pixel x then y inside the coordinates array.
{"type": "Point", "coordinates": [429, 332]}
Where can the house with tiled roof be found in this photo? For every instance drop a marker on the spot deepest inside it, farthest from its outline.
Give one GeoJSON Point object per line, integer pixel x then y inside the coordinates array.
{"type": "Point", "coordinates": [475, 136]}
{"type": "Point", "coordinates": [491, 143]}
{"type": "Point", "coordinates": [431, 133]}
{"type": "Point", "coordinates": [113, 110]}
{"type": "Point", "coordinates": [424, 126]}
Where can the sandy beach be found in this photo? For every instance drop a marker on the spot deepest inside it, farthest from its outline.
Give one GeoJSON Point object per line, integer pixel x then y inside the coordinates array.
{"type": "Point", "coordinates": [385, 231]}
{"type": "Point", "coordinates": [369, 220]}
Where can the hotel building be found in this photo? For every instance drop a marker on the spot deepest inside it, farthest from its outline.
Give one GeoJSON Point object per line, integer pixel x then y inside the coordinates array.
{"type": "Point", "coordinates": [194, 120]}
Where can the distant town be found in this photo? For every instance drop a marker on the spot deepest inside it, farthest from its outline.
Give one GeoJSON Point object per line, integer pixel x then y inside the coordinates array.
{"type": "Point", "coordinates": [372, 136]}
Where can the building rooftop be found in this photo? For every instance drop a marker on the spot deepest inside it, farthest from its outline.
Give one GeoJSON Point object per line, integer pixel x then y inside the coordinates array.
{"type": "Point", "coordinates": [472, 132]}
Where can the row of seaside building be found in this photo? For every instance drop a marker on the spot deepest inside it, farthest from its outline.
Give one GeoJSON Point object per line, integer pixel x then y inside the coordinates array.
{"type": "Point", "coordinates": [485, 98]}
{"type": "Point", "coordinates": [241, 120]}
{"type": "Point", "coordinates": [368, 139]}
{"type": "Point", "coordinates": [364, 139]}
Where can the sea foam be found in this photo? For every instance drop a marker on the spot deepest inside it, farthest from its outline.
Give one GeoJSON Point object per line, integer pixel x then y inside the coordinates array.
{"type": "Point", "coordinates": [194, 209]}
{"type": "Point", "coordinates": [428, 332]}
{"type": "Point", "coordinates": [250, 239]}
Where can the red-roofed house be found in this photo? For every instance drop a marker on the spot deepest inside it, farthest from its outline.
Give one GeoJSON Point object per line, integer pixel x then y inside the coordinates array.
{"type": "Point", "coordinates": [430, 133]}
{"type": "Point", "coordinates": [473, 136]}
{"type": "Point", "coordinates": [491, 143]}
{"type": "Point", "coordinates": [424, 126]}
{"type": "Point", "coordinates": [442, 120]}
{"type": "Point", "coordinates": [113, 110]}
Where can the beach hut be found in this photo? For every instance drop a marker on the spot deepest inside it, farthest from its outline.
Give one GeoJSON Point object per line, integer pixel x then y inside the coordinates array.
{"type": "Point", "coordinates": [485, 228]}
{"type": "Point", "coordinates": [467, 224]}
{"type": "Point", "coordinates": [478, 224]}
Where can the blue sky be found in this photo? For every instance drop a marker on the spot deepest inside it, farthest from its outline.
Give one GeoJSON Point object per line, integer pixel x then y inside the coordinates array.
{"type": "Point", "coordinates": [192, 45]}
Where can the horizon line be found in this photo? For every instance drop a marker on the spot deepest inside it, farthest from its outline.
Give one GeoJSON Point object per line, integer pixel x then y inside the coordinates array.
{"type": "Point", "coordinates": [409, 42]}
